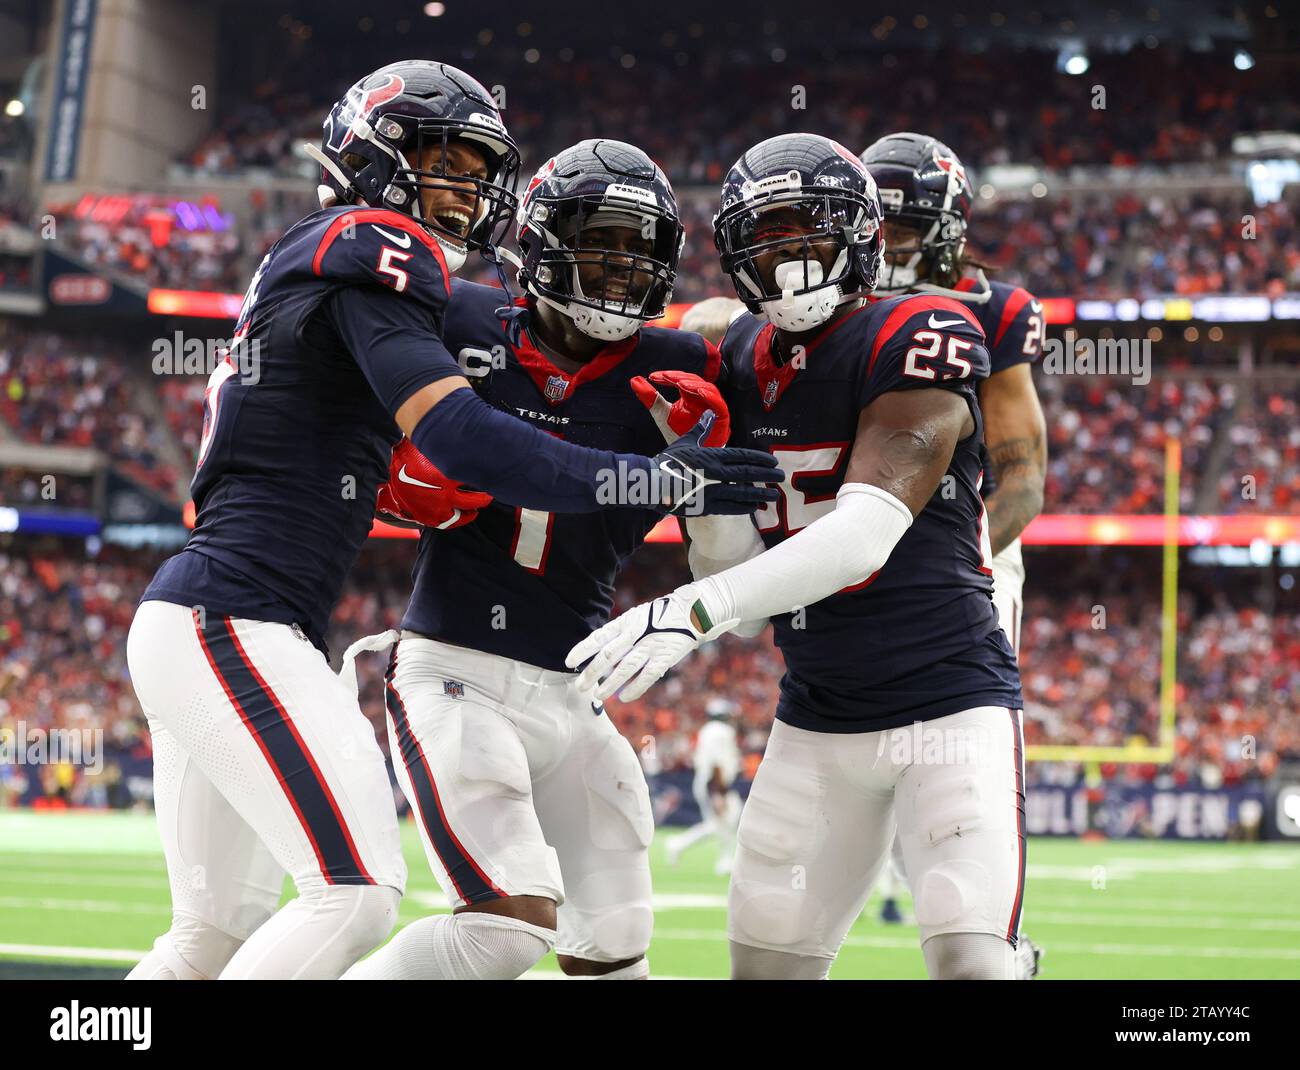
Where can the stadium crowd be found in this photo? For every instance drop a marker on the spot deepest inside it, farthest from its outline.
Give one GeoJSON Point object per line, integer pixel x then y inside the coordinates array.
{"type": "Point", "coordinates": [65, 613]}
{"type": "Point", "coordinates": [1262, 472]}
{"type": "Point", "coordinates": [1168, 114]}
{"type": "Point", "coordinates": [1106, 436]}
{"type": "Point", "coordinates": [145, 244]}
{"type": "Point", "coordinates": [1106, 245]}
{"type": "Point", "coordinates": [1106, 439]}
{"type": "Point", "coordinates": [1129, 244]}
{"type": "Point", "coordinates": [1115, 244]}
{"type": "Point", "coordinates": [64, 618]}
{"type": "Point", "coordinates": [65, 609]}
{"type": "Point", "coordinates": [64, 390]}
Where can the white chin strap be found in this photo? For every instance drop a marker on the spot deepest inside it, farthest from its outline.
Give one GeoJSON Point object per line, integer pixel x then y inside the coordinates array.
{"type": "Point", "coordinates": [595, 323]}
{"type": "Point", "coordinates": [803, 312]}
{"type": "Point", "coordinates": [901, 277]}
{"type": "Point", "coordinates": [979, 294]}
{"type": "Point", "coordinates": [452, 253]}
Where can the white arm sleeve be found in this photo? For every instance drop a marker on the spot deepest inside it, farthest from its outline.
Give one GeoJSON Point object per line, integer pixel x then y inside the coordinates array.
{"type": "Point", "coordinates": [718, 543]}
{"type": "Point", "coordinates": [844, 547]}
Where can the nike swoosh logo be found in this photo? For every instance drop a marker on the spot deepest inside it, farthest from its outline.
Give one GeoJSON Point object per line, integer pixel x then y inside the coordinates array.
{"type": "Point", "coordinates": [402, 477]}
{"type": "Point", "coordinates": [937, 324]}
{"type": "Point", "coordinates": [402, 240]}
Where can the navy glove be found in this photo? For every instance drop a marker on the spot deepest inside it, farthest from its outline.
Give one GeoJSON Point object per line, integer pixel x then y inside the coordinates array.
{"type": "Point", "coordinates": [699, 480]}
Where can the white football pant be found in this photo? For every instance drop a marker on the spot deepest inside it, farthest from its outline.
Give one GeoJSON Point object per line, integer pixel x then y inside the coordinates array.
{"type": "Point", "coordinates": [822, 814]}
{"type": "Point", "coordinates": [263, 765]}
{"type": "Point", "coordinates": [521, 787]}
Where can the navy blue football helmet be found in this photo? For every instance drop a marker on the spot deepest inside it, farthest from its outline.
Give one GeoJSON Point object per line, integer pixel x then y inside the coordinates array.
{"type": "Point", "coordinates": [376, 135]}
{"type": "Point", "coordinates": [923, 186]}
{"type": "Point", "coordinates": [799, 188]}
{"type": "Point", "coordinates": [592, 185]}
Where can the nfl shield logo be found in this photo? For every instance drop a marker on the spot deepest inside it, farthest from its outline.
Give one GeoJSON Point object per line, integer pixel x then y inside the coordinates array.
{"type": "Point", "coordinates": [769, 394]}
{"type": "Point", "coordinates": [454, 688]}
{"type": "Point", "coordinates": [556, 386]}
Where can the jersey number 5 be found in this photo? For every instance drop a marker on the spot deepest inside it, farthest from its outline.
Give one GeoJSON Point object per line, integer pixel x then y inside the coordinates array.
{"type": "Point", "coordinates": [386, 267]}
{"type": "Point", "coordinates": [212, 406]}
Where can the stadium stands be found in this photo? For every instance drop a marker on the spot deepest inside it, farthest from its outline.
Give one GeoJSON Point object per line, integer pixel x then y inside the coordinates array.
{"type": "Point", "coordinates": [65, 609]}
{"type": "Point", "coordinates": [64, 615]}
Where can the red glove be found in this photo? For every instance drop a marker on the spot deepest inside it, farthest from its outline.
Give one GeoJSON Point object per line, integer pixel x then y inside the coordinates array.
{"type": "Point", "coordinates": [696, 396]}
{"type": "Point", "coordinates": [418, 495]}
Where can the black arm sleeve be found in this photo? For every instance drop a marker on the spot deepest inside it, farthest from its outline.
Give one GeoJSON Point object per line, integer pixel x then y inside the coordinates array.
{"type": "Point", "coordinates": [477, 444]}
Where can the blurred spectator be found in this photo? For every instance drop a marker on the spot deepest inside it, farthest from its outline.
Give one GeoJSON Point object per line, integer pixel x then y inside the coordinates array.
{"type": "Point", "coordinates": [59, 390]}
{"type": "Point", "coordinates": [64, 617]}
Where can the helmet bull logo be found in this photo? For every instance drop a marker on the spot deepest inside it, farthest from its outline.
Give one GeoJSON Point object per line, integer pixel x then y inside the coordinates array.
{"type": "Point", "coordinates": [953, 168]}
{"type": "Point", "coordinates": [368, 101]}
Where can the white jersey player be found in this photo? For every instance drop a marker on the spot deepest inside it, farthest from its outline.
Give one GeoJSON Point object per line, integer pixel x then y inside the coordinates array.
{"type": "Point", "coordinates": [717, 764]}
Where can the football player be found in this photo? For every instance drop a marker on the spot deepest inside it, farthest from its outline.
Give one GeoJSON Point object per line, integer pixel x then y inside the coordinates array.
{"type": "Point", "coordinates": [532, 808]}
{"type": "Point", "coordinates": [264, 763]}
{"type": "Point", "coordinates": [926, 195]}
{"type": "Point", "coordinates": [717, 764]}
{"type": "Point", "coordinates": [901, 700]}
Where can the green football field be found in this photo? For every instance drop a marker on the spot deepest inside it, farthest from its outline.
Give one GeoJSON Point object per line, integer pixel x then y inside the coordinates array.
{"type": "Point", "coordinates": [91, 889]}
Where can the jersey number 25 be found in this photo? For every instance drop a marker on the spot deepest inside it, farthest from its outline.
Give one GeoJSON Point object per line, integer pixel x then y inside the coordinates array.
{"type": "Point", "coordinates": [928, 346]}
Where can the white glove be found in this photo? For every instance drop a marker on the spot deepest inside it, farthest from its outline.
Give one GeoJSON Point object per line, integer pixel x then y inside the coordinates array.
{"type": "Point", "coordinates": [635, 649]}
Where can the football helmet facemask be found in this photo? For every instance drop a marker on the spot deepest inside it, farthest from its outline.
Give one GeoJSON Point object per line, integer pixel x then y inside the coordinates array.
{"type": "Point", "coordinates": [599, 238]}
{"type": "Point", "coordinates": [809, 191]}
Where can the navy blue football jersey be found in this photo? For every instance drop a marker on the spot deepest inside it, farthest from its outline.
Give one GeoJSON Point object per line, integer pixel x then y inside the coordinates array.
{"type": "Point", "coordinates": [339, 326]}
{"type": "Point", "coordinates": [918, 639]}
{"type": "Point", "coordinates": [522, 583]}
{"type": "Point", "coordinates": [1014, 331]}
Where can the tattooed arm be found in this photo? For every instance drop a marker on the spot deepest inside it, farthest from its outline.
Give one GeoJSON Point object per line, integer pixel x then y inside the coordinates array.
{"type": "Point", "coordinates": [1016, 436]}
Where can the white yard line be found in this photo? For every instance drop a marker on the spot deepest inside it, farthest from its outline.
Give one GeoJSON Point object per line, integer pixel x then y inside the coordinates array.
{"type": "Point", "coordinates": [21, 875]}
{"type": "Point", "coordinates": [130, 958]}
{"type": "Point", "coordinates": [1158, 950]}
{"type": "Point", "coordinates": [112, 862]}
{"type": "Point", "coordinates": [91, 906]}
{"type": "Point", "coordinates": [97, 954]}
{"type": "Point", "coordinates": [1158, 921]}
{"type": "Point", "coordinates": [1104, 900]}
